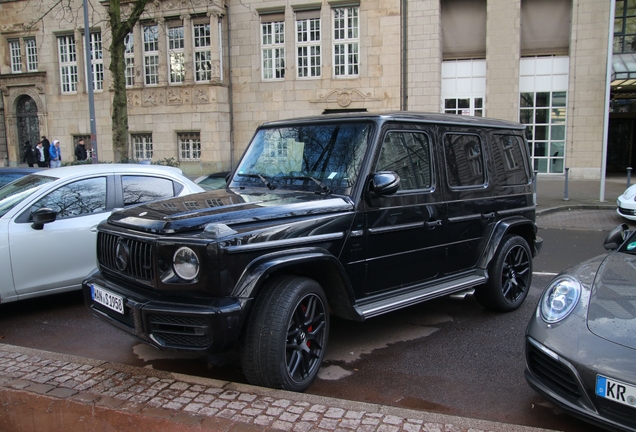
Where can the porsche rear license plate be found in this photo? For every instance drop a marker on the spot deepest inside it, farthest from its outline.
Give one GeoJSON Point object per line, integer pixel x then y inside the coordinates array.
{"type": "Point", "coordinates": [617, 391]}
{"type": "Point", "coordinates": [107, 298]}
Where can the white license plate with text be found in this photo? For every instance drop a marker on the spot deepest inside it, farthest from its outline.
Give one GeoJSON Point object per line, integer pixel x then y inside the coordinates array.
{"type": "Point", "coordinates": [107, 298]}
{"type": "Point", "coordinates": [617, 391]}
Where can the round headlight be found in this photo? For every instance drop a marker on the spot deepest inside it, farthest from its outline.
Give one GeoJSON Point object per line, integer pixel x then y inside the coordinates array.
{"type": "Point", "coordinates": [185, 263]}
{"type": "Point", "coordinates": [559, 299]}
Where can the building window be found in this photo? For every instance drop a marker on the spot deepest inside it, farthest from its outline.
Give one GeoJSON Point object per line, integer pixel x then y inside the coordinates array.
{"type": "Point", "coordinates": [142, 146]}
{"type": "Point", "coordinates": [273, 49]}
{"type": "Point", "coordinates": [16, 56]}
{"type": "Point", "coordinates": [189, 146]}
{"type": "Point", "coordinates": [346, 41]}
{"type": "Point", "coordinates": [543, 113]}
{"type": "Point", "coordinates": [464, 106]}
{"type": "Point", "coordinates": [176, 54]}
{"type": "Point", "coordinates": [202, 54]}
{"type": "Point", "coordinates": [129, 56]}
{"type": "Point", "coordinates": [308, 46]}
{"type": "Point", "coordinates": [97, 61]}
{"type": "Point", "coordinates": [32, 55]}
{"type": "Point", "coordinates": [464, 87]}
{"type": "Point", "coordinates": [151, 54]}
{"type": "Point", "coordinates": [68, 63]}
{"type": "Point", "coordinates": [625, 26]}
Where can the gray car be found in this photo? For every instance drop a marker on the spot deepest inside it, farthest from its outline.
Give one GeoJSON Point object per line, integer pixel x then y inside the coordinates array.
{"type": "Point", "coordinates": [581, 342]}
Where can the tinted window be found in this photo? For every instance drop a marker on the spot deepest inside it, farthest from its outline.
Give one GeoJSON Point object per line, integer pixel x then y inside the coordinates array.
{"type": "Point", "coordinates": [509, 162]}
{"type": "Point", "coordinates": [408, 154]}
{"type": "Point", "coordinates": [141, 189]}
{"type": "Point", "coordinates": [76, 199]}
{"type": "Point", "coordinates": [464, 160]}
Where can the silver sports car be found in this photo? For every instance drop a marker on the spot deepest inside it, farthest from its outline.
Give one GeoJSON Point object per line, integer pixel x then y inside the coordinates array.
{"type": "Point", "coordinates": [581, 342]}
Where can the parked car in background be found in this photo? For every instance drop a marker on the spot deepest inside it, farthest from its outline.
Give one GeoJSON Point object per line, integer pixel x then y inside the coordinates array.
{"type": "Point", "coordinates": [48, 221]}
{"type": "Point", "coordinates": [581, 342]}
{"type": "Point", "coordinates": [213, 181]}
{"type": "Point", "coordinates": [7, 175]}
{"type": "Point", "coordinates": [354, 215]}
{"type": "Point", "coordinates": [626, 203]}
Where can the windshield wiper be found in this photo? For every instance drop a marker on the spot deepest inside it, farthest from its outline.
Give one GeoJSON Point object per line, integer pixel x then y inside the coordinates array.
{"type": "Point", "coordinates": [263, 179]}
{"type": "Point", "coordinates": [323, 186]}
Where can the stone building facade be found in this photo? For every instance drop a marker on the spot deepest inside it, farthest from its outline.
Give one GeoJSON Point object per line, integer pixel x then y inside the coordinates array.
{"type": "Point", "coordinates": [203, 74]}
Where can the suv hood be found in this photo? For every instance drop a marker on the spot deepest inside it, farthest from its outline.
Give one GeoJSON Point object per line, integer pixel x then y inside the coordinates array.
{"type": "Point", "coordinates": [194, 212]}
{"type": "Point", "coordinates": [612, 309]}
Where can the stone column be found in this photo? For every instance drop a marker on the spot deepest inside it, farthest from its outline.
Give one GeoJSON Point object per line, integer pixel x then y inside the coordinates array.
{"type": "Point", "coordinates": [81, 61]}
{"type": "Point", "coordinates": [503, 41]}
{"type": "Point", "coordinates": [138, 53]}
{"type": "Point", "coordinates": [163, 52]}
{"type": "Point", "coordinates": [188, 49]}
{"type": "Point", "coordinates": [215, 55]}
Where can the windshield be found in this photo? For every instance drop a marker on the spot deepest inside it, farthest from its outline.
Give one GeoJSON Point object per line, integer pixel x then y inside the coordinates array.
{"type": "Point", "coordinates": [13, 193]}
{"type": "Point", "coordinates": [322, 157]}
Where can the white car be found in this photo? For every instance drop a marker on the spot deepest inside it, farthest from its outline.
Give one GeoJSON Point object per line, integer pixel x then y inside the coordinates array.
{"type": "Point", "coordinates": [626, 203]}
{"type": "Point", "coordinates": [48, 221]}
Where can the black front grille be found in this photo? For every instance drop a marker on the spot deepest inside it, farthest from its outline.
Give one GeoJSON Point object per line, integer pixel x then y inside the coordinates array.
{"type": "Point", "coordinates": [125, 256]}
{"type": "Point", "coordinates": [553, 374]}
{"type": "Point", "coordinates": [626, 211]}
{"type": "Point", "coordinates": [177, 331]}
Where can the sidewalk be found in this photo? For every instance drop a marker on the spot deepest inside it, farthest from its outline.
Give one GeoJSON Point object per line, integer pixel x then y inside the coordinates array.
{"type": "Point", "coordinates": [47, 391]}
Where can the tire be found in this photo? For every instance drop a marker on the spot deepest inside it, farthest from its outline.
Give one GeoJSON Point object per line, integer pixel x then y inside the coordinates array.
{"type": "Point", "coordinates": [510, 276]}
{"type": "Point", "coordinates": [287, 334]}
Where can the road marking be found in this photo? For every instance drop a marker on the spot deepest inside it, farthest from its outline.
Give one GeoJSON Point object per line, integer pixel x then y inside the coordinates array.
{"type": "Point", "coordinates": [544, 274]}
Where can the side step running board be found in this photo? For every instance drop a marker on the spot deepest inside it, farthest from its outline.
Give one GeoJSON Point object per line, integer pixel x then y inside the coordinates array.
{"type": "Point", "coordinates": [415, 296]}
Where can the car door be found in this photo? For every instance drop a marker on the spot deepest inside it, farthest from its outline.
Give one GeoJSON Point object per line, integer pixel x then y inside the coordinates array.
{"type": "Point", "coordinates": [404, 230]}
{"type": "Point", "coordinates": [60, 255]}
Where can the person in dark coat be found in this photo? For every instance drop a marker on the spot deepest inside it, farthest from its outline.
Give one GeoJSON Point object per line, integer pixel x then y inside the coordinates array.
{"type": "Point", "coordinates": [29, 154]}
{"type": "Point", "coordinates": [80, 150]}
{"type": "Point", "coordinates": [39, 155]}
{"type": "Point", "coordinates": [45, 145]}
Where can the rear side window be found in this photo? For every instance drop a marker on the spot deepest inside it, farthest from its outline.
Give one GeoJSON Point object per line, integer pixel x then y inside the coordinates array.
{"type": "Point", "coordinates": [464, 160]}
{"type": "Point", "coordinates": [509, 160]}
{"type": "Point", "coordinates": [409, 155]}
{"type": "Point", "coordinates": [141, 189]}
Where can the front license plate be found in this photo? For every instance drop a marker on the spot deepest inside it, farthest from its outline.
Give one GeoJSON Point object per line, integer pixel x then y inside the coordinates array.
{"type": "Point", "coordinates": [617, 391]}
{"type": "Point", "coordinates": [107, 298]}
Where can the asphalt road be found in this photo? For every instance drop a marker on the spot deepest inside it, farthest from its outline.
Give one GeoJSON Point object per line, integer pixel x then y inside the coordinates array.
{"type": "Point", "coordinates": [447, 355]}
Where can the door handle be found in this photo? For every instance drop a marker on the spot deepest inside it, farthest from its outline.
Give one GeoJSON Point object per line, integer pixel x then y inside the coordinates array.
{"type": "Point", "coordinates": [488, 215]}
{"type": "Point", "coordinates": [433, 224]}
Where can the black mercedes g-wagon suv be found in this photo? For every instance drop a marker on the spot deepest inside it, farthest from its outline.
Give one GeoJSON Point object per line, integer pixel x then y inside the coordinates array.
{"type": "Point", "coordinates": [353, 215]}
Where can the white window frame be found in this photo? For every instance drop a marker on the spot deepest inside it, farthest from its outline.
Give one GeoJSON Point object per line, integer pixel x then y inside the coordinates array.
{"type": "Point", "coordinates": [273, 50]}
{"type": "Point", "coordinates": [308, 48]}
{"type": "Point", "coordinates": [346, 42]}
{"type": "Point", "coordinates": [97, 61]}
{"type": "Point", "coordinates": [16, 56]}
{"type": "Point", "coordinates": [129, 59]}
{"type": "Point", "coordinates": [151, 54]}
{"type": "Point", "coordinates": [32, 54]}
{"type": "Point", "coordinates": [67, 56]}
{"type": "Point", "coordinates": [464, 87]}
{"type": "Point", "coordinates": [202, 57]}
{"type": "Point", "coordinates": [189, 146]}
{"type": "Point", "coordinates": [142, 146]}
{"type": "Point", "coordinates": [176, 54]}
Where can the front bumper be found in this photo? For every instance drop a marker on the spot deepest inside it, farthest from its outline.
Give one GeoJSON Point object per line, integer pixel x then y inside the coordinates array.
{"type": "Point", "coordinates": [185, 324]}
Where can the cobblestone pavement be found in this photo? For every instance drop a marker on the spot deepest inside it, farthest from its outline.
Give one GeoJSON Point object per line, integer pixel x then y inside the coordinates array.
{"type": "Point", "coordinates": [74, 392]}
{"type": "Point", "coordinates": [577, 218]}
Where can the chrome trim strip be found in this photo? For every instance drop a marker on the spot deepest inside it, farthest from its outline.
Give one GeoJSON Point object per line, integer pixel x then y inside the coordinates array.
{"type": "Point", "coordinates": [392, 228]}
{"type": "Point", "coordinates": [284, 242]}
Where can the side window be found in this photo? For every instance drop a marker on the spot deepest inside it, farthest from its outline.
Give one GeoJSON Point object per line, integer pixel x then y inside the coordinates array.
{"type": "Point", "coordinates": [464, 160]}
{"type": "Point", "coordinates": [408, 154]}
{"type": "Point", "coordinates": [141, 189]}
{"type": "Point", "coordinates": [509, 163]}
{"type": "Point", "coordinates": [76, 199]}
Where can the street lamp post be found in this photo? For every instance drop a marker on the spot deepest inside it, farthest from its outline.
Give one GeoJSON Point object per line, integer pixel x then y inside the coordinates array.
{"type": "Point", "coordinates": [89, 76]}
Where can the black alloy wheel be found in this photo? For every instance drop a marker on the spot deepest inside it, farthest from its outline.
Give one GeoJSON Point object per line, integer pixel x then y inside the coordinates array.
{"type": "Point", "coordinates": [287, 334]}
{"type": "Point", "coordinates": [510, 276]}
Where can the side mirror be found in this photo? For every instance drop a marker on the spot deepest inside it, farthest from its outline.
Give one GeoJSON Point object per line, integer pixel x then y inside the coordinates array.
{"type": "Point", "coordinates": [42, 216]}
{"type": "Point", "coordinates": [616, 237]}
{"type": "Point", "coordinates": [385, 183]}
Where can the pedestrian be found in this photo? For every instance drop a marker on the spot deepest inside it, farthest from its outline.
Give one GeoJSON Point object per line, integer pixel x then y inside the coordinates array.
{"type": "Point", "coordinates": [46, 144]}
{"type": "Point", "coordinates": [40, 156]}
{"type": "Point", "coordinates": [80, 150]}
{"type": "Point", "coordinates": [29, 156]}
{"type": "Point", "coordinates": [56, 154]}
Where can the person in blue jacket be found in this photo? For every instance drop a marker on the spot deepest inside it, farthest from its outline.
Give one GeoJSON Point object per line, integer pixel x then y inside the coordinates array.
{"type": "Point", "coordinates": [56, 154]}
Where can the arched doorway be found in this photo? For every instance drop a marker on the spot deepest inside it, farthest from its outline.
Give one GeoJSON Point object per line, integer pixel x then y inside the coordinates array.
{"type": "Point", "coordinates": [27, 122]}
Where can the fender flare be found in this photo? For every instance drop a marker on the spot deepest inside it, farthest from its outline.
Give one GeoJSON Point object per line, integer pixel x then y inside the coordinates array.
{"type": "Point", "coordinates": [314, 263]}
{"type": "Point", "coordinates": [519, 225]}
